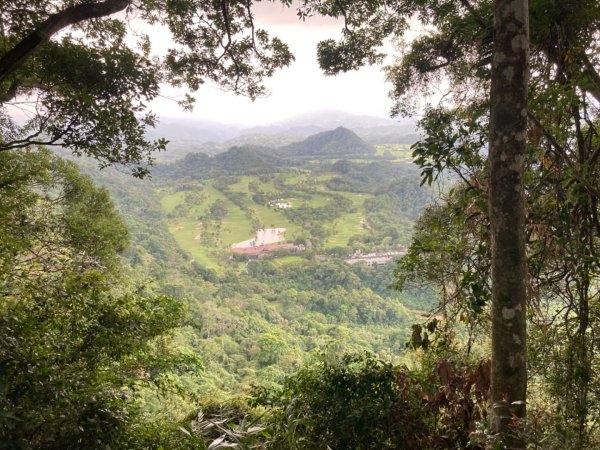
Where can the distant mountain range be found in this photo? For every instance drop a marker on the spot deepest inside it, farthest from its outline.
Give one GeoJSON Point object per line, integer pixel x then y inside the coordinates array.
{"type": "Point", "coordinates": [311, 123]}
{"type": "Point", "coordinates": [252, 159]}
{"type": "Point", "coordinates": [195, 135]}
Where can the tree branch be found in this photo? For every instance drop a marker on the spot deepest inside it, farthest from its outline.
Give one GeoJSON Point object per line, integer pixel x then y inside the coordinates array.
{"type": "Point", "coordinates": [587, 69]}
{"type": "Point", "coordinates": [15, 57]}
{"type": "Point", "coordinates": [590, 71]}
{"type": "Point", "coordinates": [478, 18]}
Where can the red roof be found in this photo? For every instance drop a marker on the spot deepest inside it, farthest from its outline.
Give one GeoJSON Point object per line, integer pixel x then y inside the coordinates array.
{"type": "Point", "coordinates": [263, 248]}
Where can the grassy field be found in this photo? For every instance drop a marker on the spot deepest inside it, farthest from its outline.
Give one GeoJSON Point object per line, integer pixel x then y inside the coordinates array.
{"type": "Point", "coordinates": [285, 261]}
{"type": "Point", "coordinates": [317, 200]}
{"type": "Point", "coordinates": [185, 233]}
{"type": "Point", "coordinates": [170, 201]}
{"type": "Point", "coordinates": [235, 227]}
{"type": "Point", "coordinates": [274, 218]}
{"type": "Point", "coordinates": [242, 185]}
{"type": "Point", "coordinates": [344, 228]}
{"type": "Point", "coordinates": [349, 224]}
{"type": "Point", "coordinates": [307, 180]}
{"type": "Point", "coordinates": [213, 249]}
{"type": "Point", "coordinates": [210, 195]}
{"type": "Point", "coordinates": [357, 199]}
{"type": "Point", "coordinates": [399, 151]}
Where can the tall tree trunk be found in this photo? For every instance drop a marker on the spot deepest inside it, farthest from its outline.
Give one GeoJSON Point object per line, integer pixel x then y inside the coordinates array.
{"type": "Point", "coordinates": [508, 122]}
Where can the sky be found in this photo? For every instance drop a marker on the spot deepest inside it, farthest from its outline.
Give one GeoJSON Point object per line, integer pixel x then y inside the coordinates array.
{"type": "Point", "coordinates": [295, 90]}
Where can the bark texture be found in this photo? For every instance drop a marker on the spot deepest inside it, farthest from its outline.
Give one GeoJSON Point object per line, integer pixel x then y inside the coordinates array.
{"type": "Point", "coordinates": [508, 122]}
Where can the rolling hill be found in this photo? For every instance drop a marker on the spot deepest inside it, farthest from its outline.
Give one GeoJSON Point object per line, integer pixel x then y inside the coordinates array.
{"type": "Point", "coordinates": [338, 142]}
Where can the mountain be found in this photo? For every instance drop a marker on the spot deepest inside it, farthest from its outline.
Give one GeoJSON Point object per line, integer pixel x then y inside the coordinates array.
{"type": "Point", "coordinates": [256, 159]}
{"type": "Point", "coordinates": [246, 159]}
{"type": "Point", "coordinates": [204, 136]}
{"type": "Point", "coordinates": [338, 142]}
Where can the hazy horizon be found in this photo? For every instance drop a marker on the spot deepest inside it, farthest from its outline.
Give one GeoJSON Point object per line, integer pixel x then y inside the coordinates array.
{"type": "Point", "coordinates": [298, 89]}
{"type": "Point", "coordinates": [292, 117]}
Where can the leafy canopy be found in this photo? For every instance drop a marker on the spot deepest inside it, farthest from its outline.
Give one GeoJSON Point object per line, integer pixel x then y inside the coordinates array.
{"type": "Point", "coordinates": [73, 75]}
{"type": "Point", "coordinates": [76, 339]}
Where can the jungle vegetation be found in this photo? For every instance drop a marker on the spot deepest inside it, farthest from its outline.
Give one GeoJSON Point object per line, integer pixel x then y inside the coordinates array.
{"type": "Point", "coordinates": [120, 329]}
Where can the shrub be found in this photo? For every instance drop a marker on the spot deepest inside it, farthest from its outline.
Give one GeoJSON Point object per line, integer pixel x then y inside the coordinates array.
{"type": "Point", "coordinates": [361, 402]}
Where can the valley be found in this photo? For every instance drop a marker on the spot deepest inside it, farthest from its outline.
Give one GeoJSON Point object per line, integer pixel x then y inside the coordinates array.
{"type": "Point", "coordinates": [265, 245]}
{"type": "Point", "coordinates": [210, 218]}
{"type": "Point", "coordinates": [193, 258]}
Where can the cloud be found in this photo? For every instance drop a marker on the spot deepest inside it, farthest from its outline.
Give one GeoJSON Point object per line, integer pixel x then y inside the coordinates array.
{"type": "Point", "coordinates": [295, 90]}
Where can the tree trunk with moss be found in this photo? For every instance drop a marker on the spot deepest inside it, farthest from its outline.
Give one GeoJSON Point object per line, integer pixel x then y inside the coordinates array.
{"type": "Point", "coordinates": [508, 124]}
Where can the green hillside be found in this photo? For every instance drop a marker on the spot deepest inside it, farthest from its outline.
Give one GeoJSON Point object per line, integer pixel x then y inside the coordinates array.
{"type": "Point", "coordinates": [338, 142]}
{"type": "Point", "coordinates": [254, 321]}
{"type": "Point", "coordinates": [207, 218]}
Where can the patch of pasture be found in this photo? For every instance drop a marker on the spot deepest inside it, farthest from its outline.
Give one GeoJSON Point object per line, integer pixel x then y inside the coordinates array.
{"type": "Point", "coordinates": [317, 200]}
{"type": "Point", "coordinates": [236, 226]}
{"type": "Point", "coordinates": [284, 261]}
{"type": "Point", "coordinates": [187, 234]}
{"type": "Point", "coordinates": [344, 228]}
{"type": "Point", "coordinates": [275, 218]}
{"type": "Point", "coordinates": [398, 151]}
{"type": "Point", "coordinates": [308, 180]}
{"type": "Point", "coordinates": [211, 195]}
{"type": "Point", "coordinates": [170, 201]}
{"type": "Point", "coordinates": [357, 198]}
{"type": "Point", "coordinates": [242, 184]}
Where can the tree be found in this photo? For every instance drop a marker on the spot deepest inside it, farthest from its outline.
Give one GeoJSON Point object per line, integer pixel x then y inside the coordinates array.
{"type": "Point", "coordinates": [561, 169]}
{"type": "Point", "coordinates": [69, 77]}
{"type": "Point", "coordinates": [508, 131]}
{"type": "Point", "coordinates": [76, 339]}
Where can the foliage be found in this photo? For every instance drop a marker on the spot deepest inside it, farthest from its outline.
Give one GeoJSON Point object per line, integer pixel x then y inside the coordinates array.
{"type": "Point", "coordinates": [350, 404]}
{"type": "Point", "coordinates": [51, 217]}
{"type": "Point", "coordinates": [561, 172]}
{"type": "Point", "coordinates": [362, 402]}
{"type": "Point", "coordinates": [85, 84]}
{"type": "Point", "coordinates": [77, 342]}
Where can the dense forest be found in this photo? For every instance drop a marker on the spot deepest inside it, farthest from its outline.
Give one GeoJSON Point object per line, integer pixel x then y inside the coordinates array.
{"type": "Point", "coordinates": [309, 287]}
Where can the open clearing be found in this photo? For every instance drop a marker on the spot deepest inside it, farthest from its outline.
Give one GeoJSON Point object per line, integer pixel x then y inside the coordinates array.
{"type": "Point", "coordinates": [211, 243]}
{"type": "Point", "coordinates": [264, 236]}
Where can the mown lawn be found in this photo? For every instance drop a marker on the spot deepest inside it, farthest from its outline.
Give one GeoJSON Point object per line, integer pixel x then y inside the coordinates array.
{"type": "Point", "coordinates": [317, 200]}
{"type": "Point", "coordinates": [349, 224]}
{"type": "Point", "coordinates": [285, 261]}
{"type": "Point", "coordinates": [185, 231]}
{"type": "Point", "coordinates": [235, 227]}
{"type": "Point", "coordinates": [275, 218]}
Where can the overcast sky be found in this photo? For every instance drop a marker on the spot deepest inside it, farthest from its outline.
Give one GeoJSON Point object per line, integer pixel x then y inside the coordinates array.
{"type": "Point", "coordinates": [295, 90]}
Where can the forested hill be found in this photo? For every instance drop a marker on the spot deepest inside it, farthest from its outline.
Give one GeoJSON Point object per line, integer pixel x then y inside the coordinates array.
{"type": "Point", "coordinates": [257, 159]}
{"type": "Point", "coordinates": [338, 142]}
{"type": "Point", "coordinates": [247, 159]}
